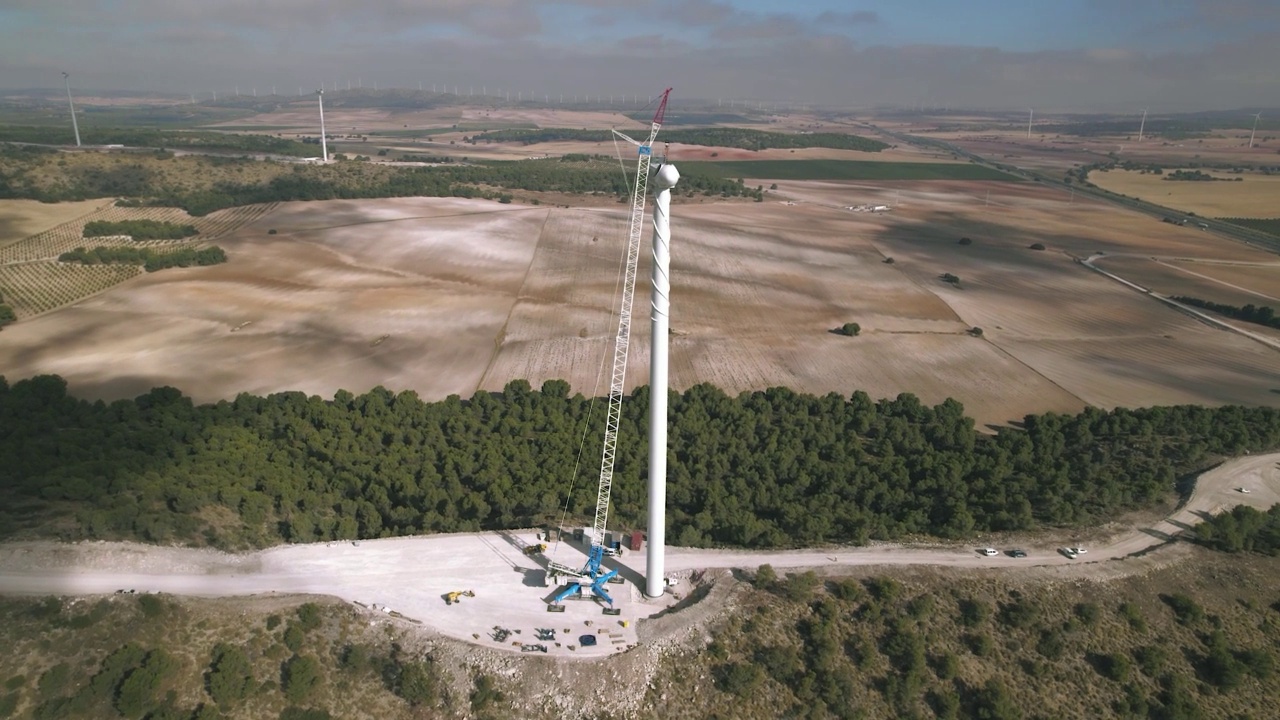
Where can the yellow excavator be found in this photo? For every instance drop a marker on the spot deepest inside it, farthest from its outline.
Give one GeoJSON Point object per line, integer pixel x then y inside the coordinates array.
{"type": "Point", "coordinates": [457, 595]}
{"type": "Point", "coordinates": [535, 549]}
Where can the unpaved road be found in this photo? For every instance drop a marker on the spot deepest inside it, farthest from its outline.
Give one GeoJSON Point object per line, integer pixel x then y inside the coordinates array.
{"type": "Point", "coordinates": [411, 574]}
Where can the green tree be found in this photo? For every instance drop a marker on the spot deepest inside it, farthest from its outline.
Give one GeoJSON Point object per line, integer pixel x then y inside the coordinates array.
{"type": "Point", "coordinates": [230, 678]}
{"type": "Point", "coordinates": [301, 675]}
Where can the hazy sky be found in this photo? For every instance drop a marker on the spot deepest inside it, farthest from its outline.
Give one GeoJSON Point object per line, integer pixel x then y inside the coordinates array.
{"type": "Point", "coordinates": [1064, 54]}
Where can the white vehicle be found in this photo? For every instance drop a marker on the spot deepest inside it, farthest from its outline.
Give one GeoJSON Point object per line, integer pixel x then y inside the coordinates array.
{"type": "Point", "coordinates": [1077, 551]}
{"type": "Point", "coordinates": [990, 552]}
{"type": "Point", "coordinates": [1244, 490]}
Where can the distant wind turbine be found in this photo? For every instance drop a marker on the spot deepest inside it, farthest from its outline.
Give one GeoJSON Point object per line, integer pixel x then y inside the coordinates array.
{"type": "Point", "coordinates": [1253, 132]}
{"type": "Point", "coordinates": [324, 143]}
{"type": "Point", "coordinates": [74, 125]}
{"type": "Point", "coordinates": [1143, 126]}
{"type": "Point", "coordinates": [1031, 114]}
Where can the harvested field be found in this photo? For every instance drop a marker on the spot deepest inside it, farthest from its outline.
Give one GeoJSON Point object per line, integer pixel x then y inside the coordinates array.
{"type": "Point", "coordinates": [20, 219]}
{"type": "Point", "coordinates": [1254, 196]}
{"type": "Point", "coordinates": [1261, 283]}
{"type": "Point", "coordinates": [1198, 365]}
{"type": "Point", "coordinates": [846, 170]}
{"type": "Point", "coordinates": [447, 296]}
{"type": "Point", "coordinates": [1230, 283]}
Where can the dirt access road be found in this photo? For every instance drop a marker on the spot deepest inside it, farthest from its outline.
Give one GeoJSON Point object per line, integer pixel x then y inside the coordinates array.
{"type": "Point", "coordinates": [411, 575]}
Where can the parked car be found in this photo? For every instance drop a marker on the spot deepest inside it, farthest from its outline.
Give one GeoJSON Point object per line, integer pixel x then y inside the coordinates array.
{"type": "Point", "coordinates": [1018, 553]}
{"type": "Point", "coordinates": [989, 552]}
{"type": "Point", "coordinates": [1244, 490]}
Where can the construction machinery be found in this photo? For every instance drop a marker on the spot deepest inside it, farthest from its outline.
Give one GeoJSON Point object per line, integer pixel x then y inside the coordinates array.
{"type": "Point", "coordinates": [590, 580]}
{"type": "Point", "coordinates": [535, 549]}
{"type": "Point", "coordinates": [457, 595]}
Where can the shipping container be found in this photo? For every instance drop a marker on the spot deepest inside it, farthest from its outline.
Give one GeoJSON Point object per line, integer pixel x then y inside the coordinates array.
{"type": "Point", "coordinates": [637, 540]}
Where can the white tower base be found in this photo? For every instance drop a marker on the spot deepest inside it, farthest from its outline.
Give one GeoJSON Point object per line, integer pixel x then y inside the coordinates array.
{"type": "Point", "coordinates": [655, 571]}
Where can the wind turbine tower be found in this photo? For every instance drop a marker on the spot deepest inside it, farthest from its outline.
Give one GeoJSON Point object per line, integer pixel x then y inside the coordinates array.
{"type": "Point", "coordinates": [324, 143]}
{"type": "Point", "coordinates": [76, 126]}
{"type": "Point", "coordinates": [1143, 126]}
{"type": "Point", "coordinates": [655, 560]}
{"type": "Point", "coordinates": [1253, 132]}
{"type": "Point", "coordinates": [1031, 114]}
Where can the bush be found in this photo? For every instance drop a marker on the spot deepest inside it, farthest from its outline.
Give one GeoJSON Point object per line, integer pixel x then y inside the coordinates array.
{"type": "Point", "coordinates": [486, 692]}
{"type": "Point", "coordinates": [308, 616]}
{"type": "Point", "coordinates": [273, 622]}
{"type": "Point", "coordinates": [1151, 659]}
{"type": "Point", "coordinates": [1037, 246]}
{"type": "Point", "coordinates": [272, 231]}
{"type": "Point", "coordinates": [800, 586]}
{"type": "Point", "coordinates": [1186, 610]}
{"type": "Point", "coordinates": [1088, 613]}
{"type": "Point", "coordinates": [973, 612]}
{"type": "Point", "coordinates": [975, 331]}
{"type": "Point", "coordinates": [965, 241]}
{"type": "Point", "coordinates": [301, 675]}
{"type": "Point", "coordinates": [1020, 613]}
{"type": "Point", "coordinates": [152, 606]}
{"type": "Point", "coordinates": [417, 684]}
{"type": "Point", "coordinates": [739, 678]}
{"type": "Point", "coordinates": [53, 681]}
{"type": "Point", "coordinates": [1133, 616]}
{"type": "Point", "coordinates": [765, 577]}
{"type": "Point", "coordinates": [230, 677]}
{"type": "Point", "coordinates": [849, 329]}
{"type": "Point", "coordinates": [980, 644]}
{"type": "Point", "coordinates": [1114, 666]}
{"type": "Point", "coordinates": [293, 637]}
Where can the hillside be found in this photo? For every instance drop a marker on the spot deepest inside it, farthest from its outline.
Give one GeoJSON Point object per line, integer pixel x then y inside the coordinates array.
{"type": "Point", "coordinates": [1193, 636]}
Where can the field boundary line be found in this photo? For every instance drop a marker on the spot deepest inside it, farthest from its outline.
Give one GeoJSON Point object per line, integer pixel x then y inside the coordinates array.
{"type": "Point", "coordinates": [1216, 280]}
{"type": "Point", "coordinates": [501, 337]}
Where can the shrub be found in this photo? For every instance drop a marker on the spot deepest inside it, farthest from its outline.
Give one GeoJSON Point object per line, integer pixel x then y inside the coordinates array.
{"type": "Point", "coordinates": [308, 616]}
{"type": "Point", "coordinates": [1186, 610]}
{"type": "Point", "coordinates": [1037, 246]}
{"type": "Point", "coordinates": [980, 644]}
{"type": "Point", "coordinates": [975, 331]}
{"type": "Point", "coordinates": [973, 612]}
{"type": "Point", "coordinates": [417, 684]}
{"type": "Point", "coordinates": [273, 622]}
{"type": "Point", "coordinates": [965, 241]}
{"type": "Point", "coordinates": [230, 677]}
{"type": "Point", "coordinates": [739, 678]}
{"type": "Point", "coordinates": [849, 329]}
{"type": "Point", "coordinates": [800, 586]}
{"type": "Point", "coordinates": [152, 605]}
{"type": "Point", "coordinates": [301, 675]}
{"type": "Point", "coordinates": [765, 577]}
{"type": "Point", "coordinates": [1151, 659]}
{"type": "Point", "coordinates": [485, 693]}
{"type": "Point", "coordinates": [1019, 614]}
{"type": "Point", "coordinates": [1133, 616]}
{"type": "Point", "coordinates": [272, 231]}
{"type": "Point", "coordinates": [293, 637]}
{"type": "Point", "coordinates": [1088, 613]}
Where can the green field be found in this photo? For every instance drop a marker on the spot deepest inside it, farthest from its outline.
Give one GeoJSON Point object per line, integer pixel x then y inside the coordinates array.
{"type": "Point", "coordinates": [844, 170]}
{"type": "Point", "coordinates": [1266, 225]}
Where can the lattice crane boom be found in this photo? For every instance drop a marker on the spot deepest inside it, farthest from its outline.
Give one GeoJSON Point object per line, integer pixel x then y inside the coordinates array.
{"type": "Point", "coordinates": [622, 342]}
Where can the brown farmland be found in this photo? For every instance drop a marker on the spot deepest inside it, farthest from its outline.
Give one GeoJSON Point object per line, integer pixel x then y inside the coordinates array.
{"type": "Point", "coordinates": [447, 296]}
